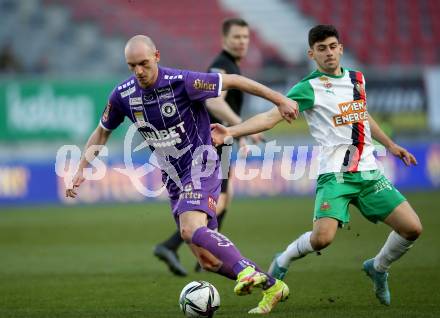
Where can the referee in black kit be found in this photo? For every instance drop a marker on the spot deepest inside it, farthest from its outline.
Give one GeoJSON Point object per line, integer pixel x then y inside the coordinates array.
{"type": "Point", "coordinates": [224, 109]}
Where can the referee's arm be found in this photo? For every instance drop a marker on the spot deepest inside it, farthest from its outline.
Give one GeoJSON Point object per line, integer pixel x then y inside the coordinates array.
{"type": "Point", "coordinates": [220, 109]}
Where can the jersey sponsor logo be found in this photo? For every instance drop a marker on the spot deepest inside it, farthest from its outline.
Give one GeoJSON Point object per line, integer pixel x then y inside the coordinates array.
{"type": "Point", "coordinates": [106, 112]}
{"type": "Point", "coordinates": [164, 93]}
{"type": "Point", "coordinates": [135, 101]}
{"type": "Point", "coordinates": [190, 196]}
{"type": "Point", "coordinates": [140, 119]}
{"type": "Point", "coordinates": [351, 112]}
{"type": "Point", "coordinates": [165, 137]}
{"type": "Point", "coordinates": [125, 85]}
{"type": "Point", "coordinates": [168, 109]}
{"type": "Point", "coordinates": [128, 92]}
{"type": "Point", "coordinates": [138, 108]}
{"type": "Point", "coordinates": [172, 77]}
{"type": "Point", "coordinates": [193, 202]}
{"type": "Point", "coordinates": [163, 90]}
{"type": "Point", "coordinates": [205, 86]}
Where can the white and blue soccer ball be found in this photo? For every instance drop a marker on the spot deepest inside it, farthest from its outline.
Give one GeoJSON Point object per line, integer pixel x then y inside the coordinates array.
{"type": "Point", "coordinates": [199, 299]}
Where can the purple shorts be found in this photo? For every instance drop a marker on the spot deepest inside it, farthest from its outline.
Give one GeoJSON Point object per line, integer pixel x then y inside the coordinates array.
{"type": "Point", "coordinates": [191, 198]}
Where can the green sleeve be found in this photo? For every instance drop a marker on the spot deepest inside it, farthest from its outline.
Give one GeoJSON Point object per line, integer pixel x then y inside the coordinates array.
{"type": "Point", "coordinates": [303, 94]}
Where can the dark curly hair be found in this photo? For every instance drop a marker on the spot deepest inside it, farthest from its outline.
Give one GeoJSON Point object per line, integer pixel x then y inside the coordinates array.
{"type": "Point", "coordinates": [321, 32]}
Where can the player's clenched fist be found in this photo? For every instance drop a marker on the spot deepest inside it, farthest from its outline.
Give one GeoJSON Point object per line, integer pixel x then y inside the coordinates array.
{"type": "Point", "coordinates": [288, 109]}
{"type": "Point", "coordinates": [219, 134]}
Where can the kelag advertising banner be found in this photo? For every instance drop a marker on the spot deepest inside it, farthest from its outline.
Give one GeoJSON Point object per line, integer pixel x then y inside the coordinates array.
{"type": "Point", "coordinates": [38, 183]}
{"type": "Point", "coordinates": [51, 109]}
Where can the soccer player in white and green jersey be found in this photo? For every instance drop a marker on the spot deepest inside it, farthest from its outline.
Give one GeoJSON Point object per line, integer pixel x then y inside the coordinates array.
{"type": "Point", "coordinates": [333, 101]}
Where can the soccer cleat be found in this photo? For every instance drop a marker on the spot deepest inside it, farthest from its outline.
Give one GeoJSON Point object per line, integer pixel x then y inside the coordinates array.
{"type": "Point", "coordinates": [247, 279]}
{"type": "Point", "coordinates": [170, 258]}
{"type": "Point", "coordinates": [272, 296]}
{"type": "Point", "coordinates": [380, 281]}
{"type": "Point", "coordinates": [275, 270]}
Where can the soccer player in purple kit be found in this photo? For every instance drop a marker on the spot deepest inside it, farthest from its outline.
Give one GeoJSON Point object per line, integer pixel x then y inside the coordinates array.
{"type": "Point", "coordinates": [167, 108]}
{"type": "Point", "coordinates": [224, 109]}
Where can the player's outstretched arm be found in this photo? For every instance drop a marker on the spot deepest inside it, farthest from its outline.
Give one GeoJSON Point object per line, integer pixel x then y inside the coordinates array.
{"type": "Point", "coordinates": [221, 110]}
{"type": "Point", "coordinates": [258, 123]}
{"type": "Point", "coordinates": [99, 137]}
{"type": "Point", "coordinates": [378, 134]}
{"type": "Point", "coordinates": [288, 108]}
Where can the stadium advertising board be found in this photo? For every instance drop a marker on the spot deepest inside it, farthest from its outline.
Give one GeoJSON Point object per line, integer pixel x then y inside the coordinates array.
{"type": "Point", "coordinates": [50, 109]}
{"type": "Point", "coordinates": [394, 95]}
{"type": "Point", "coordinates": [28, 183]}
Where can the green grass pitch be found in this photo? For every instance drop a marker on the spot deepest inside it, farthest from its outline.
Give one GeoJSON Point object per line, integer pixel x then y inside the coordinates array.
{"type": "Point", "coordinates": [96, 261]}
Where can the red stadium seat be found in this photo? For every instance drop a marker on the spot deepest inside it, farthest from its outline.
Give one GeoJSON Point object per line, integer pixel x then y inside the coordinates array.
{"type": "Point", "coordinates": [383, 32]}
{"type": "Point", "coordinates": [187, 40]}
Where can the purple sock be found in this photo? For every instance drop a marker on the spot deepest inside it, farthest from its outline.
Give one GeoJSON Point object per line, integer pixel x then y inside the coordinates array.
{"type": "Point", "coordinates": [243, 263]}
{"type": "Point", "coordinates": [219, 246]}
{"type": "Point", "coordinates": [222, 248]}
{"type": "Point", "coordinates": [227, 271]}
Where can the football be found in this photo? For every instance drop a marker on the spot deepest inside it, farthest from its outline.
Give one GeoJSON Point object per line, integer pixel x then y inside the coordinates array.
{"type": "Point", "coordinates": [199, 299]}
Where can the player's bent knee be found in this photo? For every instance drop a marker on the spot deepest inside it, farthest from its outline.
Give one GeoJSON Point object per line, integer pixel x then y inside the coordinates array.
{"type": "Point", "coordinates": [413, 233]}
{"type": "Point", "coordinates": [418, 230]}
{"type": "Point", "coordinates": [186, 232]}
{"type": "Point", "coordinates": [320, 242]}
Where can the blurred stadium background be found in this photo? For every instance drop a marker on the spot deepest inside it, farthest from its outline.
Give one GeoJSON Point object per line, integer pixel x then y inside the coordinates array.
{"type": "Point", "coordinates": [59, 60]}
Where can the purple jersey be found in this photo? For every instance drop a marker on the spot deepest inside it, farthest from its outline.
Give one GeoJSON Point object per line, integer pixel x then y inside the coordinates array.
{"type": "Point", "coordinates": [170, 115]}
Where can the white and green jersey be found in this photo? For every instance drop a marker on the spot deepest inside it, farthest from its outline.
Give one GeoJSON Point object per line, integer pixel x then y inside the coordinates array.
{"type": "Point", "coordinates": [335, 108]}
